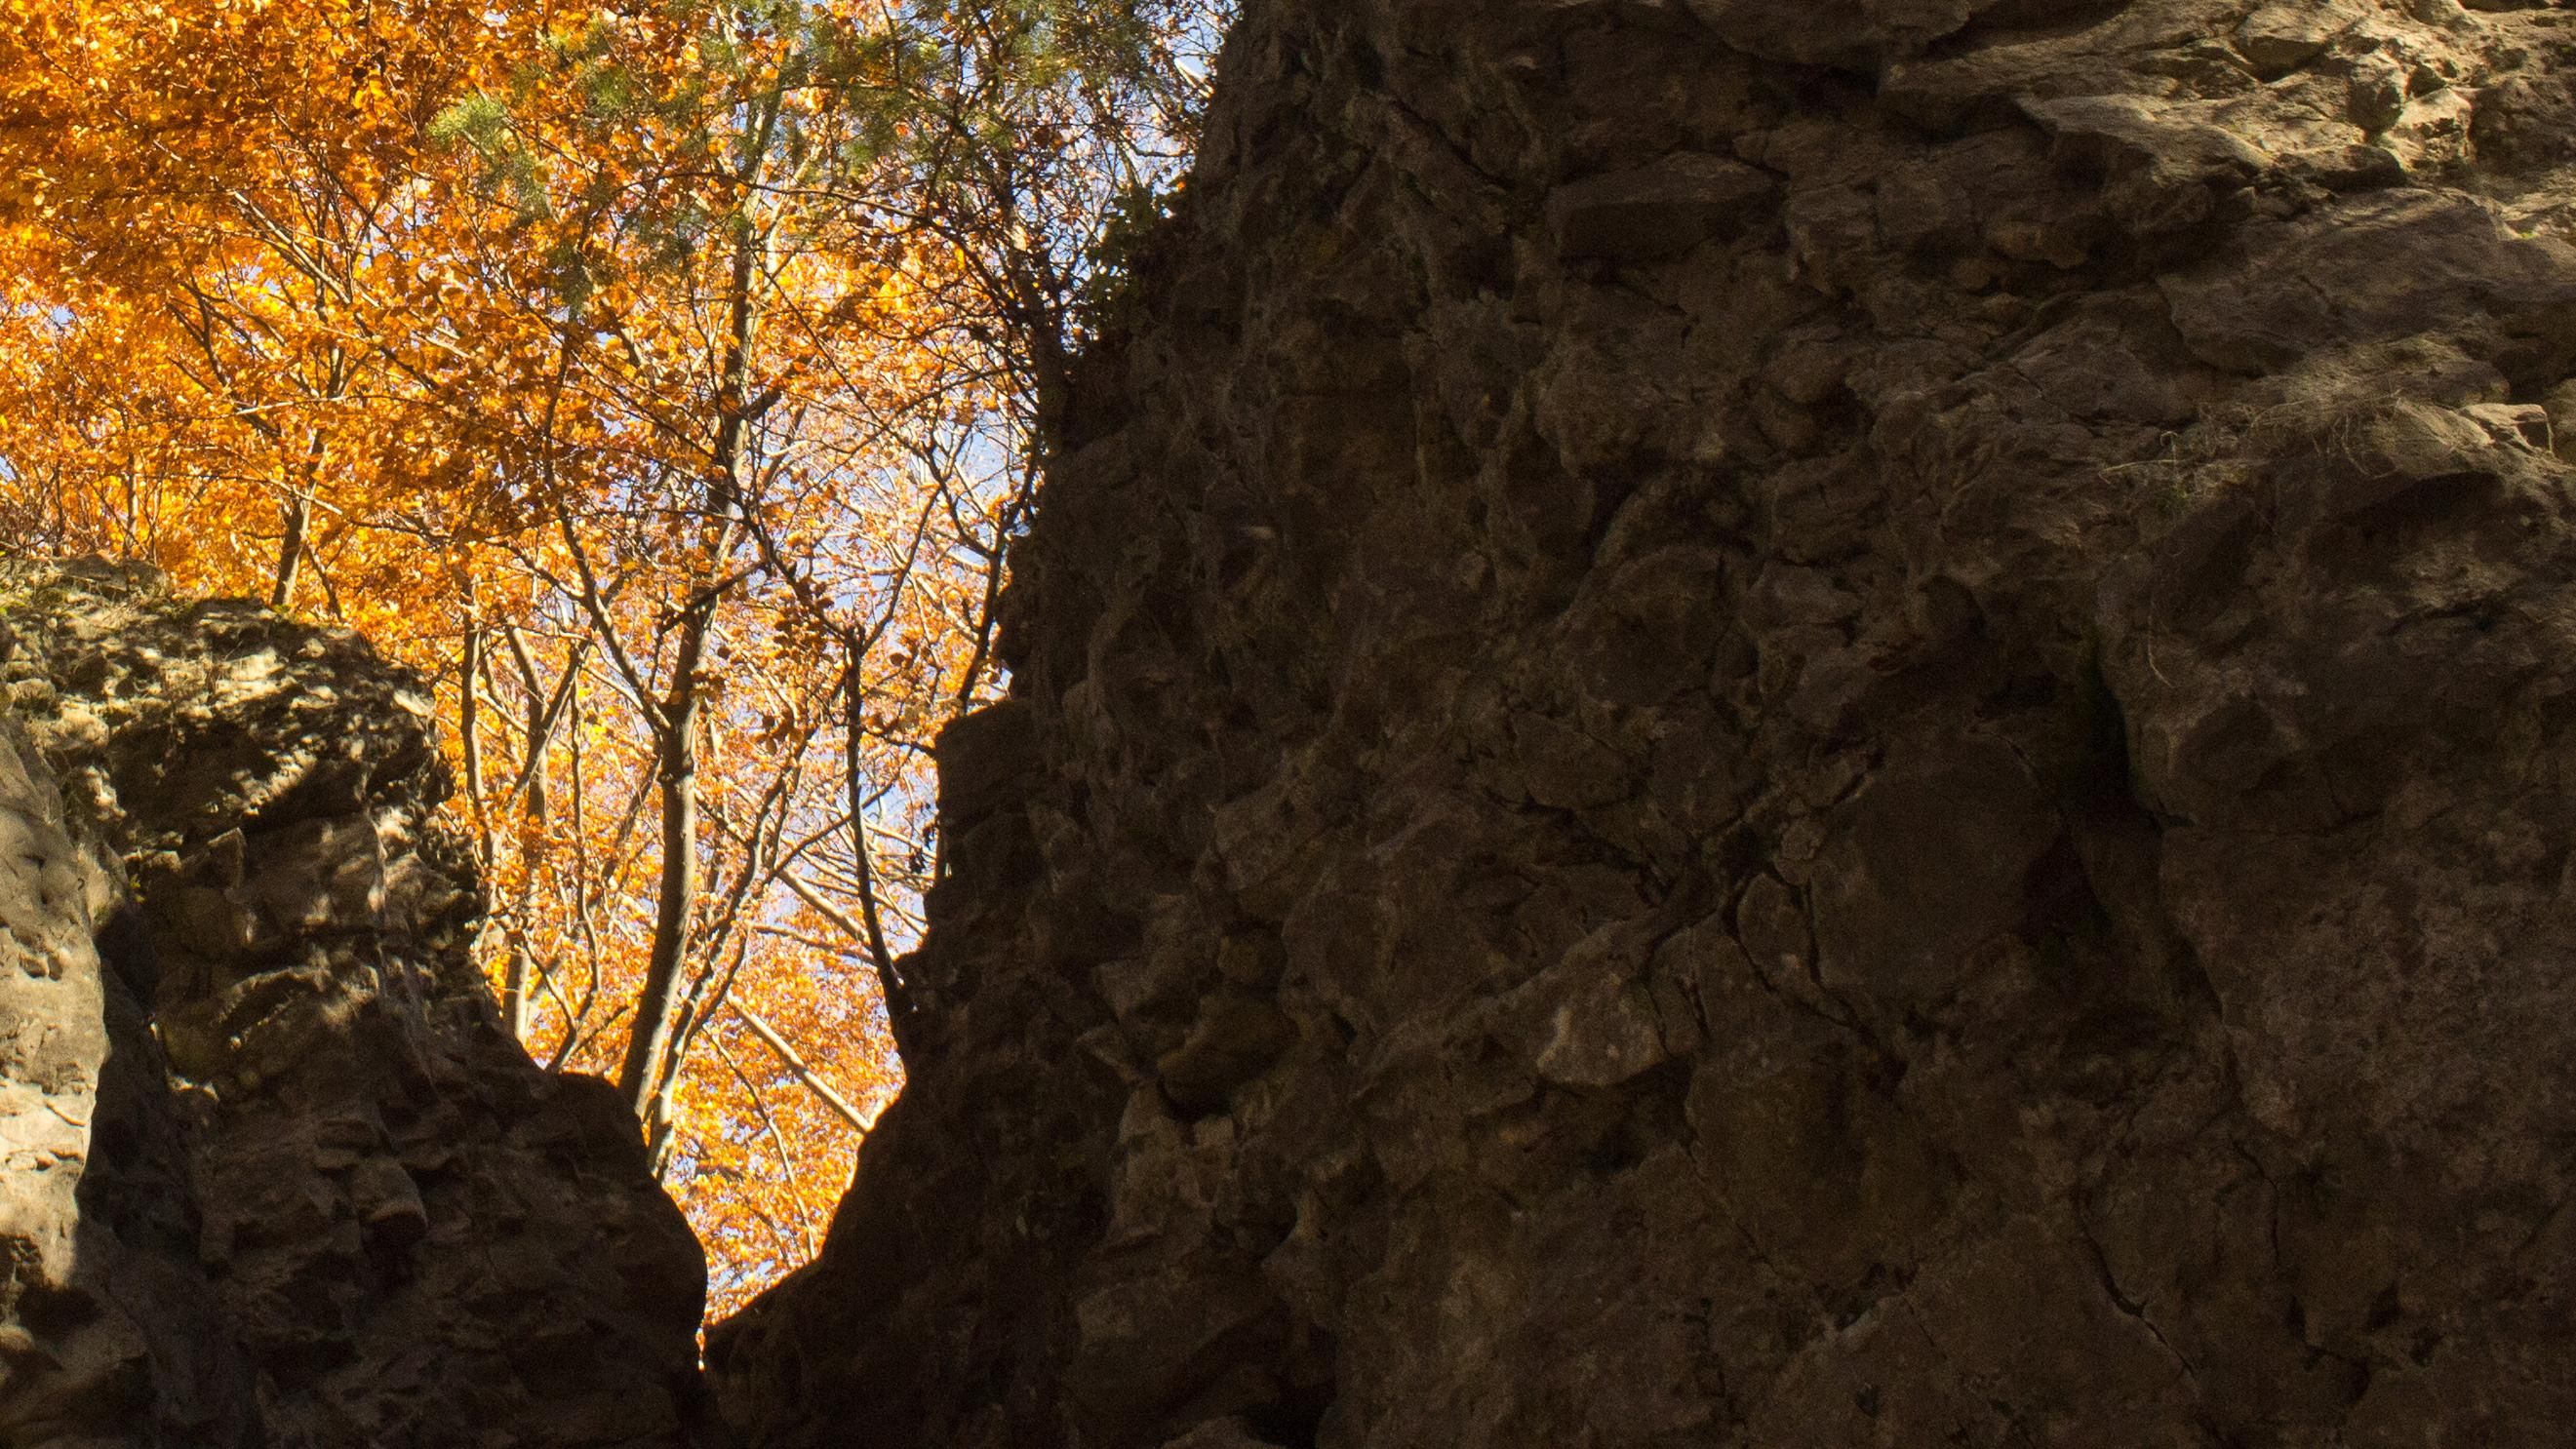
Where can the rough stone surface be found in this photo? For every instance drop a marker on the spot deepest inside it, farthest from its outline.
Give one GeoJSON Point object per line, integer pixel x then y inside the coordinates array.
{"type": "Point", "coordinates": [273, 1174]}
{"type": "Point", "coordinates": [1773, 723]}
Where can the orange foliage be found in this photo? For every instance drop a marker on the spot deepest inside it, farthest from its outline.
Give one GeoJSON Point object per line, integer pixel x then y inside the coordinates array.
{"type": "Point", "coordinates": [660, 380]}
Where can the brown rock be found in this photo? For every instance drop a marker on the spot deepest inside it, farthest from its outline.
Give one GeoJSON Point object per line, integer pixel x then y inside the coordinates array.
{"type": "Point", "coordinates": [1658, 210]}
{"type": "Point", "coordinates": [256, 1133]}
{"type": "Point", "coordinates": [1941, 822]}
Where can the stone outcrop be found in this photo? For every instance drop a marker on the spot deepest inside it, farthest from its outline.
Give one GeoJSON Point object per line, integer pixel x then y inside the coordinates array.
{"type": "Point", "coordinates": [271, 1174]}
{"type": "Point", "coordinates": [1760, 723]}
{"type": "Point", "coordinates": [1736, 723]}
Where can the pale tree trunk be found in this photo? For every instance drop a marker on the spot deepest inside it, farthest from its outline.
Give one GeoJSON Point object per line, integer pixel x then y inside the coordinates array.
{"type": "Point", "coordinates": [532, 781]}
{"type": "Point", "coordinates": [469, 739]}
{"type": "Point", "coordinates": [645, 1076]}
{"type": "Point", "coordinates": [299, 523]}
{"type": "Point", "coordinates": [290, 551]}
{"type": "Point", "coordinates": [649, 1072]}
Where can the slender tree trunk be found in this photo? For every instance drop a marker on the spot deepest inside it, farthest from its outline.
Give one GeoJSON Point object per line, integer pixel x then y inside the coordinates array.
{"type": "Point", "coordinates": [642, 1075]}
{"type": "Point", "coordinates": [648, 1072]}
{"type": "Point", "coordinates": [514, 993]}
{"type": "Point", "coordinates": [541, 720]}
{"type": "Point", "coordinates": [469, 734]}
{"type": "Point", "coordinates": [290, 550]}
{"type": "Point", "coordinates": [299, 521]}
{"type": "Point", "coordinates": [469, 713]}
{"type": "Point", "coordinates": [862, 856]}
{"type": "Point", "coordinates": [532, 773]}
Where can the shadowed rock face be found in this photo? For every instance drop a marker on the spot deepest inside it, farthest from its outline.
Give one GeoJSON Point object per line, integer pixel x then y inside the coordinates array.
{"type": "Point", "coordinates": [274, 1175]}
{"type": "Point", "coordinates": [1757, 723]}
{"type": "Point", "coordinates": [1738, 724]}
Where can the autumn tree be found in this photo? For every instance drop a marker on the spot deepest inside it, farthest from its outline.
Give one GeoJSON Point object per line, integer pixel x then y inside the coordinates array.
{"type": "Point", "coordinates": [666, 381]}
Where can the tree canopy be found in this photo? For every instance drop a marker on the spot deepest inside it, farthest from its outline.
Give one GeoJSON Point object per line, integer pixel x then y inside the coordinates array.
{"type": "Point", "coordinates": [662, 379]}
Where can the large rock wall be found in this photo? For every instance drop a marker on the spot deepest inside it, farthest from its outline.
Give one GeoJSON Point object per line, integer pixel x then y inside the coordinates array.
{"type": "Point", "coordinates": [1771, 723]}
{"type": "Point", "coordinates": [271, 1174]}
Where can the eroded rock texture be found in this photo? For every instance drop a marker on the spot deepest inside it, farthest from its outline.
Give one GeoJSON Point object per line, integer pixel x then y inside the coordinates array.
{"type": "Point", "coordinates": [1767, 724]}
{"type": "Point", "coordinates": [273, 1174]}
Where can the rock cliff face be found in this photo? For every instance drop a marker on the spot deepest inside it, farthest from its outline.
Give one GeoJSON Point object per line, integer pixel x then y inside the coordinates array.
{"type": "Point", "coordinates": [271, 1174]}
{"type": "Point", "coordinates": [1737, 723]}
{"type": "Point", "coordinates": [1759, 723]}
